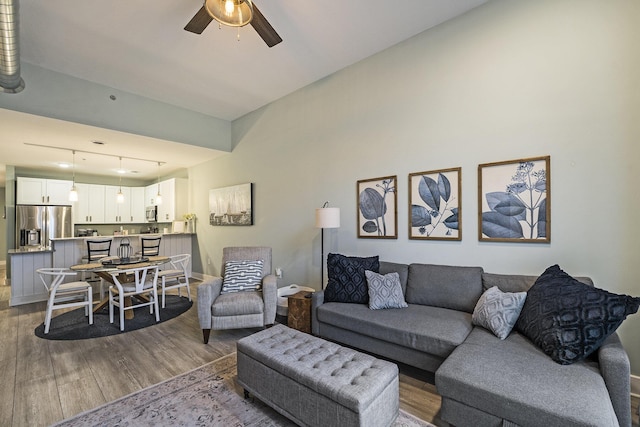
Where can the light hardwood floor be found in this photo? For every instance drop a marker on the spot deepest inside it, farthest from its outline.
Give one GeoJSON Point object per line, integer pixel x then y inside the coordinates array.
{"type": "Point", "coordinates": [43, 381]}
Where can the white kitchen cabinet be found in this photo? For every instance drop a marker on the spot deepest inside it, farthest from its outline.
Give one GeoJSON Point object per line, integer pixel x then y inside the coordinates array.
{"type": "Point", "coordinates": [150, 193]}
{"type": "Point", "coordinates": [90, 207]}
{"type": "Point", "coordinates": [174, 199]}
{"type": "Point", "coordinates": [115, 212]}
{"type": "Point", "coordinates": [39, 191]}
{"type": "Point", "coordinates": [137, 204]}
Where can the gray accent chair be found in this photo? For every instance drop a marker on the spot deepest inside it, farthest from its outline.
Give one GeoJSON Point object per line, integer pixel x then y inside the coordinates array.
{"type": "Point", "coordinates": [240, 309]}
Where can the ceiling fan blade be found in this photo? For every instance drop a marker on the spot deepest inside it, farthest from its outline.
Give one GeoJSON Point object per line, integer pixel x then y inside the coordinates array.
{"type": "Point", "coordinates": [199, 21]}
{"type": "Point", "coordinates": [263, 28]}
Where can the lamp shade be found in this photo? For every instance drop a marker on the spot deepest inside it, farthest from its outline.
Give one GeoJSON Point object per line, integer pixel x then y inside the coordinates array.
{"type": "Point", "coordinates": [328, 218]}
{"type": "Point", "coordinates": [235, 13]}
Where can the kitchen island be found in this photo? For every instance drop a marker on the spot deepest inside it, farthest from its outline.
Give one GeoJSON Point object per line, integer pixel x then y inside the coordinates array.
{"type": "Point", "coordinates": [26, 286]}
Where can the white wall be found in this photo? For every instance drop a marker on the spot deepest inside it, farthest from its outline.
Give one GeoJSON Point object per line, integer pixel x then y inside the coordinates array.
{"type": "Point", "coordinates": [509, 80]}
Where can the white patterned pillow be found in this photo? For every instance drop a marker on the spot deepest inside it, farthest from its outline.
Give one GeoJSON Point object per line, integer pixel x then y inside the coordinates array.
{"type": "Point", "coordinates": [384, 291]}
{"type": "Point", "coordinates": [240, 276]}
{"type": "Point", "coordinates": [498, 311]}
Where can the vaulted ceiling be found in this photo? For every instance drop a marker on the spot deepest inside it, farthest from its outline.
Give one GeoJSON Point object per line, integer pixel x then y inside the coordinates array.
{"type": "Point", "coordinates": [141, 47]}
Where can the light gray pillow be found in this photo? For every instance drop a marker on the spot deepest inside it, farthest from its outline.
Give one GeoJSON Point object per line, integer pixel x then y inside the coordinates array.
{"type": "Point", "coordinates": [242, 276]}
{"type": "Point", "coordinates": [385, 291]}
{"type": "Point", "coordinates": [498, 311]}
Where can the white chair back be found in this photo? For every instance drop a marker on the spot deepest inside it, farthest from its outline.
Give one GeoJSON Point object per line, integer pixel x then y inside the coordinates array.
{"type": "Point", "coordinates": [143, 278]}
{"type": "Point", "coordinates": [53, 277]}
{"type": "Point", "coordinates": [180, 262]}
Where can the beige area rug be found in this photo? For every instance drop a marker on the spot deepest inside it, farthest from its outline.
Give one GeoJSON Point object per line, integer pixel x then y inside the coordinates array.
{"type": "Point", "coordinates": [206, 396]}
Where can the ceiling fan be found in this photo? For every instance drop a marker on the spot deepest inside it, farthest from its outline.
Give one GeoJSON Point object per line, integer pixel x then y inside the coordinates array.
{"type": "Point", "coordinates": [235, 13]}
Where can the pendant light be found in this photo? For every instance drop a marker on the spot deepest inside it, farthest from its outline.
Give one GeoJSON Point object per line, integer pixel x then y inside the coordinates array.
{"type": "Point", "coordinates": [73, 193]}
{"type": "Point", "coordinates": [120, 196]}
{"type": "Point", "coordinates": [159, 196]}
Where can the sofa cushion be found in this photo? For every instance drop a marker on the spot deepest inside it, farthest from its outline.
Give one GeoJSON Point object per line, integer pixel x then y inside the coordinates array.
{"type": "Point", "coordinates": [241, 276]}
{"type": "Point", "coordinates": [569, 320]}
{"type": "Point", "coordinates": [238, 304]}
{"type": "Point", "coordinates": [384, 291]}
{"type": "Point", "coordinates": [514, 380]}
{"type": "Point", "coordinates": [458, 288]}
{"type": "Point", "coordinates": [346, 279]}
{"type": "Point", "coordinates": [434, 330]}
{"type": "Point", "coordinates": [498, 311]}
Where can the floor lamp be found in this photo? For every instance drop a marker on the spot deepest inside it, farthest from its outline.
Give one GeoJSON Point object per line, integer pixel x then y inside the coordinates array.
{"type": "Point", "coordinates": [326, 217]}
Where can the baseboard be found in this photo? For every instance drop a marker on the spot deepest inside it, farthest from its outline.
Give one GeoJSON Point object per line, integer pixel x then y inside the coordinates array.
{"type": "Point", "coordinates": [201, 276]}
{"type": "Point", "coordinates": [635, 386]}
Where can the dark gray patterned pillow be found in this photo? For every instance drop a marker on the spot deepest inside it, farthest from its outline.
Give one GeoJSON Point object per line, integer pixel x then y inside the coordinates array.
{"type": "Point", "coordinates": [498, 311]}
{"type": "Point", "coordinates": [385, 291]}
{"type": "Point", "coordinates": [347, 282]}
{"type": "Point", "coordinates": [241, 276]}
{"type": "Point", "coordinates": [569, 320]}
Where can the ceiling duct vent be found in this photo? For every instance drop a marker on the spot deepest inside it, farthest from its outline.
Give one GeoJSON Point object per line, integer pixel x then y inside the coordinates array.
{"type": "Point", "coordinates": [10, 80]}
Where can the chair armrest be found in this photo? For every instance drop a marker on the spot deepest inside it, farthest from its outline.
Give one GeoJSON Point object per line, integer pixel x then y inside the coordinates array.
{"type": "Point", "coordinates": [317, 299]}
{"type": "Point", "coordinates": [270, 297]}
{"type": "Point", "coordinates": [208, 291]}
{"type": "Point", "coordinates": [616, 371]}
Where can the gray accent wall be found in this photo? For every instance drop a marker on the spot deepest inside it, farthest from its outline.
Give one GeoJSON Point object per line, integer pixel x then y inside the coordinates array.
{"type": "Point", "coordinates": [508, 80]}
{"type": "Point", "coordinates": [60, 96]}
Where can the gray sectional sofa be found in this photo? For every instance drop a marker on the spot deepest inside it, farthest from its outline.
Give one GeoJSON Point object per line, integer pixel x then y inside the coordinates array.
{"type": "Point", "coordinates": [483, 381]}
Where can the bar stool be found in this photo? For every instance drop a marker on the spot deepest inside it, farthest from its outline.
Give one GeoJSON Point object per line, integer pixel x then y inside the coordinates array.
{"type": "Point", "coordinates": [96, 251]}
{"type": "Point", "coordinates": [150, 246]}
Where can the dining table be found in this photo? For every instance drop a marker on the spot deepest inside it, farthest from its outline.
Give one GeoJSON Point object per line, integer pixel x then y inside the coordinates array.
{"type": "Point", "coordinates": [107, 266]}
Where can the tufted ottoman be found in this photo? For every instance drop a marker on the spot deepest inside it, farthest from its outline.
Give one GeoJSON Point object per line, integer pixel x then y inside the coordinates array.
{"type": "Point", "coordinates": [315, 382]}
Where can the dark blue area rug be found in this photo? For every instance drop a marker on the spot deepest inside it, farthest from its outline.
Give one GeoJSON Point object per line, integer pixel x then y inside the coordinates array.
{"type": "Point", "coordinates": [74, 325]}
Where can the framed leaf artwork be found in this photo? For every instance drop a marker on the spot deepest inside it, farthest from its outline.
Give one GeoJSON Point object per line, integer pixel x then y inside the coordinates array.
{"type": "Point", "coordinates": [435, 205]}
{"type": "Point", "coordinates": [514, 201]}
{"type": "Point", "coordinates": [378, 208]}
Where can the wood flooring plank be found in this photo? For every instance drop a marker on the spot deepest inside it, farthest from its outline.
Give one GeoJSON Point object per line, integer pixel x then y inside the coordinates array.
{"type": "Point", "coordinates": [37, 402]}
{"type": "Point", "coordinates": [80, 395]}
{"type": "Point", "coordinates": [7, 387]}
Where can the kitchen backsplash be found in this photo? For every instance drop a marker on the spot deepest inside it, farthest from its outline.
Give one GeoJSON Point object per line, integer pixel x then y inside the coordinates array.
{"type": "Point", "coordinates": [111, 229]}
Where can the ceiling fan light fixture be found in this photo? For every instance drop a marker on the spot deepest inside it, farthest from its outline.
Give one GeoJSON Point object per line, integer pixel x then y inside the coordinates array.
{"type": "Point", "coordinates": [234, 13]}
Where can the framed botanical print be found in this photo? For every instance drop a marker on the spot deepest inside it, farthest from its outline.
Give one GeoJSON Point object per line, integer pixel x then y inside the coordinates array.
{"type": "Point", "coordinates": [514, 201]}
{"type": "Point", "coordinates": [378, 208]}
{"type": "Point", "coordinates": [435, 205]}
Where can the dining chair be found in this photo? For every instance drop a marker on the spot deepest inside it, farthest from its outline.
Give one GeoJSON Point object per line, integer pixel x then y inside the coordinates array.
{"type": "Point", "coordinates": [129, 282]}
{"type": "Point", "coordinates": [97, 250]}
{"type": "Point", "coordinates": [150, 245]}
{"type": "Point", "coordinates": [176, 277]}
{"type": "Point", "coordinates": [65, 295]}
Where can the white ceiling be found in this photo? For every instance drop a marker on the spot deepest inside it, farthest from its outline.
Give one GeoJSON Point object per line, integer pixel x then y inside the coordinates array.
{"type": "Point", "coordinates": [140, 47]}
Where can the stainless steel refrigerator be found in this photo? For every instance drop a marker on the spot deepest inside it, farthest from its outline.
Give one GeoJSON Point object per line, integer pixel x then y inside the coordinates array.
{"type": "Point", "coordinates": [36, 225]}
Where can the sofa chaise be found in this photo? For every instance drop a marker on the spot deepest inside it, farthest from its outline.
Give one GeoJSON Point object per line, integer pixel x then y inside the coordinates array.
{"type": "Point", "coordinates": [483, 380]}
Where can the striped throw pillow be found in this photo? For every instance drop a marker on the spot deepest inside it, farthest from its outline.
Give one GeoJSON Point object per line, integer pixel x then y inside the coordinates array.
{"type": "Point", "coordinates": [241, 276]}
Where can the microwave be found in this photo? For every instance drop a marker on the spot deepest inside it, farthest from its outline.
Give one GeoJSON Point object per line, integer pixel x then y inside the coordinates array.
{"type": "Point", "coordinates": [151, 213]}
